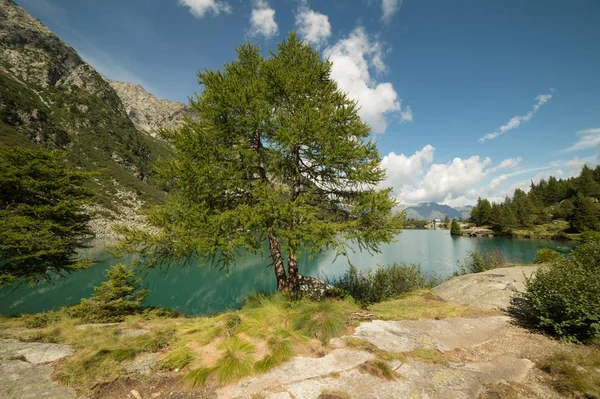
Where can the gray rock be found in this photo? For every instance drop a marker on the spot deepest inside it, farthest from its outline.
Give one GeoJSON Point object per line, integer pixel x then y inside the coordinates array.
{"type": "Point", "coordinates": [491, 290]}
{"type": "Point", "coordinates": [443, 335]}
{"type": "Point", "coordinates": [23, 380]}
{"type": "Point", "coordinates": [33, 352]}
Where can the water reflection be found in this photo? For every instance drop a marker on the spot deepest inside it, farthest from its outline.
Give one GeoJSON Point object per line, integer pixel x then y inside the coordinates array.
{"type": "Point", "coordinates": [204, 290]}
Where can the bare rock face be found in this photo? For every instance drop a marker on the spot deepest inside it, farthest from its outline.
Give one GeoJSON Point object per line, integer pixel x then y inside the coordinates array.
{"type": "Point", "coordinates": [148, 112]}
{"type": "Point", "coordinates": [51, 97]}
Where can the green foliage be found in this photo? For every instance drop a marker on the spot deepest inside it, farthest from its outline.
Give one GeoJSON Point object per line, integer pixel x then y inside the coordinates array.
{"type": "Point", "coordinates": [384, 283]}
{"type": "Point", "coordinates": [277, 153]}
{"type": "Point", "coordinates": [481, 261]}
{"type": "Point", "coordinates": [322, 320]}
{"type": "Point", "coordinates": [121, 295]}
{"type": "Point", "coordinates": [197, 377]}
{"type": "Point", "coordinates": [455, 229]}
{"type": "Point", "coordinates": [563, 298]}
{"type": "Point", "coordinates": [546, 255]}
{"type": "Point", "coordinates": [42, 218]}
{"type": "Point", "coordinates": [237, 360]}
{"type": "Point", "coordinates": [584, 215]}
{"type": "Point", "coordinates": [571, 199]}
{"type": "Point", "coordinates": [281, 349]}
{"type": "Point", "coordinates": [177, 359]}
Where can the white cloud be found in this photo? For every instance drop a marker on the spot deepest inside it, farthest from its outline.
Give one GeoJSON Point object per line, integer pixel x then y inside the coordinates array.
{"type": "Point", "coordinates": [406, 115]}
{"type": "Point", "coordinates": [496, 182]}
{"type": "Point", "coordinates": [401, 170]}
{"type": "Point", "coordinates": [516, 121]}
{"type": "Point", "coordinates": [389, 8]}
{"type": "Point", "coordinates": [416, 179]}
{"type": "Point", "coordinates": [588, 138]}
{"type": "Point", "coordinates": [352, 58]}
{"type": "Point", "coordinates": [313, 26]}
{"type": "Point", "coordinates": [199, 8]}
{"type": "Point", "coordinates": [262, 20]}
{"type": "Point", "coordinates": [509, 163]}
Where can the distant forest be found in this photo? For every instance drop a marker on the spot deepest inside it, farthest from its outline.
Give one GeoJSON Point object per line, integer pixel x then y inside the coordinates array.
{"type": "Point", "coordinates": [574, 200]}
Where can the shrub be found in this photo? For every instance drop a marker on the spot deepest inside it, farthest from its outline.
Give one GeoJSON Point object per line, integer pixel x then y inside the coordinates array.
{"type": "Point", "coordinates": [481, 261]}
{"type": "Point", "coordinates": [383, 283]}
{"type": "Point", "coordinates": [563, 298]}
{"type": "Point", "coordinates": [455, 229]}
{"type": "Point", "coordinates": [121, 295]}
{"type": "Point", "coordinates": [546, 255]}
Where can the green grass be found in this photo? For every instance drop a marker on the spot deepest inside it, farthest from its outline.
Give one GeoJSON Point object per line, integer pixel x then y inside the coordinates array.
{"type": "Point", "coordinates": [423, 304]}
{"type": "Point", "coordinates": [237, 360]}
{"type": "Point", "coordinates": [177, 359]}
{"type": "Point", "coordinates": [575, 374]}
{"type": "Point", "coordinates": [322, 320]}
{"type": "Point", "coordinates": [197, 377]}
{"type": "Point", "coordinates": [378, 368]}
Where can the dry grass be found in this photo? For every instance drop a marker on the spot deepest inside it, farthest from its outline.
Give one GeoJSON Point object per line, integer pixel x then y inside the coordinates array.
{"type": "Point", "coordinates": [576, 374]}
{"type": "Point", "coordinates": [378, 368]}
{"type": "Point", "coordinates": [424, 304]}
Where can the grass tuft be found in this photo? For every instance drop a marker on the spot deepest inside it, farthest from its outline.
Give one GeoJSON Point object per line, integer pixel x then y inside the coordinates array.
{"type": "Point", "coordinates": [323, 320]}
{"type": "Point", "coordinates": [237, 360]}
{"type": "Point", "coordinates": [281, 350]}
{"type": "Point", "coordinates": [378, 368]}
{"type": "Point", "coordinates": [575, 374]}
{"type": "Point", "coordinates": [177, 359]}
{"type": "Point", "coordinates": [197, 378]}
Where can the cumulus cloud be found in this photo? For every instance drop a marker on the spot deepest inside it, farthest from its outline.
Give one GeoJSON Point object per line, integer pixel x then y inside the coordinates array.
{"type": "Point", "coordinates": [313, 26]}
{"type": "Point", "coordinates": [496, 182]}
{"type": "Point", "coordinates": [406, 115]}
{"type": "Point", "coordinates": [262, 20]}
{"type": "Point", "coordinates": [588, 138]}
{"type": "Point", "coordinates": [199, 8]}
{"type": "Point", "coordinates": [509, 163]}
{"type": "Point", "coordinates": [389, 8]}
{"type": "Point", "coordinates": [516, 121]}
{"type": "Point", "coordinates": [416, 178]}
{"type": "Point", "coordinates": [401, 170]}
{"type": "Point", "coordinates": [352, 59]}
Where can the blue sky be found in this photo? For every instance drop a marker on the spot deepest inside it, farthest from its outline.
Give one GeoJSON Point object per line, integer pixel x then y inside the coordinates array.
{"type": "Point", "coordinates": [465, 98]}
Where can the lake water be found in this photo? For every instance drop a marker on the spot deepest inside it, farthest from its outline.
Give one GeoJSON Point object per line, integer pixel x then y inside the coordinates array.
{"type": "Point", "coordinates": [203, 290]}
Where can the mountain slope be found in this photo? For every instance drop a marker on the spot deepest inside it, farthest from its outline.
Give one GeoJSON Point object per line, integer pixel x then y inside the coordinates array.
{"type": "Point", "coordinates": [430, 211]}
{"type": "Point", "coordinates": [50, 97]}
{"type": "Point", "coordinates": [148, 112]}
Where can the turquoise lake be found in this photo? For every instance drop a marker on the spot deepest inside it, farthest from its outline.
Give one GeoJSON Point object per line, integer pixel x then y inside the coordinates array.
{"type": "Point", "coordinates": [200, 289]}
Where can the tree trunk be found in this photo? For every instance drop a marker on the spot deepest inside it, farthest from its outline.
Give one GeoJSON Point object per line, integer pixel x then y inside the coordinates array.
{"type": "Point", "coordinates": [278, 266]}
{"type": "Point", "coordinates": [293, 283]}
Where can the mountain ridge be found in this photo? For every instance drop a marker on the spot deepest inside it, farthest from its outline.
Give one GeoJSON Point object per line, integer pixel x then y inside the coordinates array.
{"type": "Point", "coordinates": [51, 98]}
{"type": "Point", "coordinates": [434, 210]}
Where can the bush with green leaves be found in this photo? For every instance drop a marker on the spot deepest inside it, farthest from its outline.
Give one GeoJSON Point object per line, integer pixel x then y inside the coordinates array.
{"type": "Point", "coordinates": [564, 299]}
{"type": "Point", "coordinates": [546, 255]}
{"type": "Point", "coordinates": [455, 229]}
{"type": "Point", "coordinates": [383, 283]}
{"type": "Point", "coordinates": [121, 295]}
{"type": "Point", "coordinates": [480, 261]}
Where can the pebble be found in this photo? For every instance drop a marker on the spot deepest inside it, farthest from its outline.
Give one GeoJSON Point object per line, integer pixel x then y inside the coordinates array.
{"type": "Point", "coordinates": [136, 394]}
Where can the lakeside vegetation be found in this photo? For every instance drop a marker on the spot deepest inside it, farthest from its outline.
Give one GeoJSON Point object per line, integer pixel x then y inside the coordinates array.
{"type": "Point", "coordinates": [553, 208]}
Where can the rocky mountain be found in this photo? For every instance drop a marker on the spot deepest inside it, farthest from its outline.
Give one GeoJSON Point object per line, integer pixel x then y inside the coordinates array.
{"type": "Point", "coordinates": [430, 211]}
{"type": "Point", "coordinates": [465, 211]}
{"type": "Point", "coordinates": [51, 98]}
{"type": "Point", "coordinates": [148, 112]}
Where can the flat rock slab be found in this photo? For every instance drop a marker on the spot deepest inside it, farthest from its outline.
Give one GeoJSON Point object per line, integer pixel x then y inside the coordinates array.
{"type": "Point", "coordinates": [33, 352]}
{"type": "Point", "coordinates": [295, 370]}
{"type": "Point", "coordinates": [491, 290]}
{"type": "Point", "coordinates": [23, 380]}
{"type": "Point", "coordinates": [418, 380]}
{"type": "Point", "coordinates": [443, 335]}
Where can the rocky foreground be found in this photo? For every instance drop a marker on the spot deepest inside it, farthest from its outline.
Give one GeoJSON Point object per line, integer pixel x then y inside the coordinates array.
{"type": "Point", "coordinates": [482, 356]}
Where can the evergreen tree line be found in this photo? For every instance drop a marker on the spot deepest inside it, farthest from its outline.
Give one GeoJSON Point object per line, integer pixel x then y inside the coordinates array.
{"type": "Point", "coordinates": [570, 199]}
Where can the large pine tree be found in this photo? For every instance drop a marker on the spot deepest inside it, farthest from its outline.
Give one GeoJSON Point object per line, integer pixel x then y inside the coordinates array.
{"type": "Point", "coordinates": [42, 219]}
{"type": "Point", "coordinates": [277, 155]}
